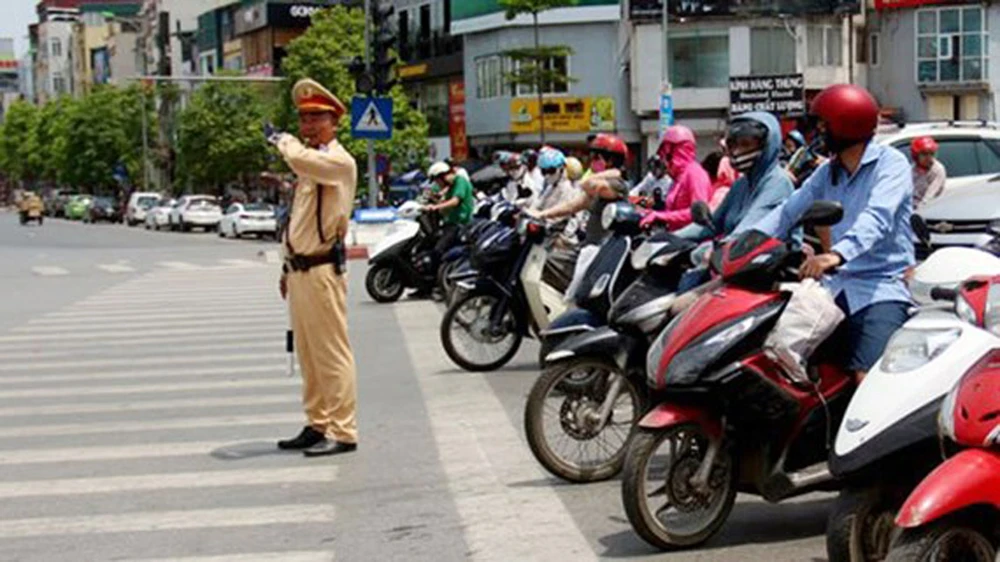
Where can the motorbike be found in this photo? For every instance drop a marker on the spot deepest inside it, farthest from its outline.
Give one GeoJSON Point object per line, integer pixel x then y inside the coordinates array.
{"type": "Point", "coordinates": [31, 209]}
{"type": "Point", "coordinates": [506, 300]}
{"type": "Point", "coordinates": [489, 214]}
{"type": "Point", "coordinates": [403, 259]}
{"type": "Point", "coordinates": [580, 412]}
{"type": "Point", "coordinates": [954, 513]}
{"type": "Point", "coordinates": [888, 438]}
{"type": "Point", "coordinates": [727, 417]}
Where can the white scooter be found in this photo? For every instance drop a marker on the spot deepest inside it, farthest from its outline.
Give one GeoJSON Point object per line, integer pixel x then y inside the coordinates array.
{"type": "Point", "coordinates": [401, 259]}
{"type": "Point", "coordinates": [887, 441]}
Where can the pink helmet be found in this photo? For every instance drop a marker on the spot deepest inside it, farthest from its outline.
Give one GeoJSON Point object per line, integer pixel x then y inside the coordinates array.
{"type": "Point", "coordinates": [675, 135]}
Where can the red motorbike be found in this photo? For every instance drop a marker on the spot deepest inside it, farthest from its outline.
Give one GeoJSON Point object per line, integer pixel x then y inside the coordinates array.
{"type": "Point", "coordinates": [729, 419]}
{"type": "Point", "coordinates": [954, 513]}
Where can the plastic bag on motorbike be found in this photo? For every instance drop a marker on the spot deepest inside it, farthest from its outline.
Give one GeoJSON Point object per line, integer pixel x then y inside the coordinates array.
{"type": "Point", "coordinates": [810, 317]}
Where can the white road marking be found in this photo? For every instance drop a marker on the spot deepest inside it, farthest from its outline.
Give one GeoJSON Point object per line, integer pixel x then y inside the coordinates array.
{"type": "Point", "coordinates": [168, 481]}
{"type": "Point", "coordinates": [136, 426]}
{"type": "Point", "coordinates": [291, 556]}
{"type": "Point", "coordinates": [273, 343]}
{"type": "Point", "coordinates": [125, 337]}
{"type": "Point", "coordinates": [222, 321]}
{"type": "Point", "coordinates": [80, 454]}
{"type": "Point", "coordinates": [164, 373]}
{"type": "Point", "coordinates": [97, 319]}
{"type": "Point", "coordinates": [116, 268]}
{"type": "Point", "coordinates": [138, 361]}
{"type": "Point", "coordinates": [49, 270]}
{"type": "Point", "coordinates": [179, 265]}
{"type": "Point", "coordinates": [237, 262]}
{"type": "Point", "coordinates": [144, 406]}
{"type": "Point", "coordinates": [98, 390]}
{"type": "Point", "coordinates": [265, 336]}
{"type": "Point", "coordinates": [270, 256]}
{"type": "Point", "coordinates": [167, 520]}
{"type": "Point", "coordinates": [483, 458]}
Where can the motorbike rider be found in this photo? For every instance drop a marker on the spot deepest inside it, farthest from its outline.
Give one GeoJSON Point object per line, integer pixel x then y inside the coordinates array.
{"type": "Point", "coordinates": [872, 247]}
{"type": "Point", "coordinates": [656, 179]}
{"type": "Point", "coordinates": [457, 204]}
{"type": "Point", "coordinates": [753, 141]}
{"type": "Point", "coordinates": [557, 189]}
{"type": "Point", "coordinates": [928, 172]}
{"type": "Point", "coordinates": [793, 141]}
{"type": "Point", "coordinates": [536, 181]}
{"type": "Point", "coordinates": [606, 184]}
{"type": "Point", "coordinates": [691, 182]}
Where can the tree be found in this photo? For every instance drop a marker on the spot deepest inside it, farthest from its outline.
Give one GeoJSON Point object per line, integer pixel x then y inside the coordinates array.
{"type": "Point", "coordinates": [532, 68]}
{"type": "Point", "coordinates": [219, 136]}
{"type": "Point", "coordinates": [18, 155]}
{"type": "Point", "coordinates": [52, 140]}
{"type": "Point", "coordinates": [335, 37]}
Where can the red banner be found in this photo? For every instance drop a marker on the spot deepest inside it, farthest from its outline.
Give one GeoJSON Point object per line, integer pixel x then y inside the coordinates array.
{"type": "Point", "coordinates": [895, 4]}
{"type": "Point", "coordinates": [456, 121]}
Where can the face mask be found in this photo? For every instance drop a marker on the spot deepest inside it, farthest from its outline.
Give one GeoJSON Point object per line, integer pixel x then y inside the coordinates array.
{"type": "Point", "coordinates": [552, 178]}
{"type": "Point", "coordinates": [598, 165]}
{"type": "Point", "coordinates": [517, 173]}
{"type": "Point", "coordinates": [745, 162]}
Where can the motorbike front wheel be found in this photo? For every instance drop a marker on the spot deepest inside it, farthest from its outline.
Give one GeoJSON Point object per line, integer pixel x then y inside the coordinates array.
{"type": "Point", "coordinates": [472, 340]}
{"type": "Point", "coordinates": [383, 283]}
{"type": "Point", "coordinates": [862, 523]}
{"type": "Point", "coordinates": [661, 502]}
{"type": "Point", "coordinates": [942, 541]}
{"type": "Point", "coordinates": [563, 422]}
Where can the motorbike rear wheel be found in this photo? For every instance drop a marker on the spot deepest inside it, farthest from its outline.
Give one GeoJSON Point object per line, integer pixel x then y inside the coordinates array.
{"type": "Point", "coordinates": [469, 316]}
{"type": "Point", "coordinates": [383, 283]}
{"type": "Point", "coordinates": [942, 541]}
{"type": "Point", "coordinates": [576, 422]}
{"type": "Point", "coordinates": [861, 524]}
{"type": "Point", "coordinates": [688, 517]}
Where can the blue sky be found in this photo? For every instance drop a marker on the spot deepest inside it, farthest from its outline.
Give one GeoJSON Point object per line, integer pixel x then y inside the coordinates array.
{"type": "Point", "coordinates": [17, 15]}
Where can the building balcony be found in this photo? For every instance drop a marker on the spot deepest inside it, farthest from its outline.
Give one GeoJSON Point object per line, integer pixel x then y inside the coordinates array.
{"type": "Point", "coordinates": [436, 45]}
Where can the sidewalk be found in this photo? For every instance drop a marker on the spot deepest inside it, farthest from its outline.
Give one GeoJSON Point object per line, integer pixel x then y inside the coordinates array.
{"type": "Point", "coordinates": [360, 237]}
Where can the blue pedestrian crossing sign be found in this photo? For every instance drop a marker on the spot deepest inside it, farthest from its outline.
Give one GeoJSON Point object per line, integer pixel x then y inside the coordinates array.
{"type": "Point", "coordinates": [371, 118]}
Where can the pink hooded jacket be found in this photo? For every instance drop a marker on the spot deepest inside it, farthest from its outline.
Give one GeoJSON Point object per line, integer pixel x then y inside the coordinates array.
{"type": "Point", "coordinates": [691, 181]}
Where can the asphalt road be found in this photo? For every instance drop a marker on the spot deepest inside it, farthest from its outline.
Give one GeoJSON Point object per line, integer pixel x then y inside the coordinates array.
{"type": "Point", "coordinates": [143, 383]}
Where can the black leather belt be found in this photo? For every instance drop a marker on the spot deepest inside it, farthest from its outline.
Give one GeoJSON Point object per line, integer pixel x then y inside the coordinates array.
{"type": "Point", "coordinates": [299, 262]}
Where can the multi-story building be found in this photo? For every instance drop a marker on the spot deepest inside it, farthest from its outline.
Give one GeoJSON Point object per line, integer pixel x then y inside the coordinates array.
{"type": "Point", "coordinates": [10, 85]}
{"type": "Point", "coordinates": [266, 27]}
{"type": "Point", "coordinates": [26, 77]}
{"type": "Point", "coordinates": [431, 71]}
{"type": "Point", "coordinates": [170, 34]}
{"type": "Point", "coordinates": [94, 59]}
{"type": "Point", "coordinates": [596, 99]}
{"type": "Point", "coordinates": [52, 43]}
{"type": "Point", "coordinates": [935, 60]}
{"type": "Point", "coordinates": [810, 41]}
{"type": "Point", "coordinates": [218, 45]}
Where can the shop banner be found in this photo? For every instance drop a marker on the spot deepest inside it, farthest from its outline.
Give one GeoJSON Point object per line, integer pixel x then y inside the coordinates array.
{"type": "Point", "coordinates": [456, 120]}
{"type": "Point", "coordinates": [653, 9]}
{"type": "Point", "coordinates": [782, 95]}
{"type": "Point", "coordinates": [563, 115]}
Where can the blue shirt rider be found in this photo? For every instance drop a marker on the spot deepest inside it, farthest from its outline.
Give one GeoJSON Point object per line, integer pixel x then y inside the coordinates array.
{"type": "Point", "coordinates": [872, 246]}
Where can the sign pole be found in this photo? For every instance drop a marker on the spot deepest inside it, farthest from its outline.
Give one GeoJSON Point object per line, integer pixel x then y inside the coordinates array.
{"type": "Point", "coordinates": [666, 43]}
{"type": "Point", "coordinates": [372, 180]}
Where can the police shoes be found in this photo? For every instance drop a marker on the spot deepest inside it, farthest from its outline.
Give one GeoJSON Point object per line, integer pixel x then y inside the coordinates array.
{"type": "Point", "coordinates": [306, 438]}
{"type": "Point", "coordinates": [329, 447]}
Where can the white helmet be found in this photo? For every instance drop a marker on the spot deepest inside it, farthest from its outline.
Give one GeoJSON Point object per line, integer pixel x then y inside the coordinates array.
{"type": "Point", "coordinates": [438, 169]}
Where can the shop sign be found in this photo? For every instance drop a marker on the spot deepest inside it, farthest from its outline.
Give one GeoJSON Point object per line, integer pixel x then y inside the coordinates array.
{"type": "Point", "coordinates": [652, 10]}
{"type": "Point", "coordinates": [292, 16]}
{"type": "Point", "coordinates": [782, 95]}
{"type": "Point", "coordinates": [456, 120]}
{"type": "Point", "coordinates": [894, 4]}
{"type": "Point", "coordinates": [564, 115]}
{"type": "Point", "coordinates": [412, 70]}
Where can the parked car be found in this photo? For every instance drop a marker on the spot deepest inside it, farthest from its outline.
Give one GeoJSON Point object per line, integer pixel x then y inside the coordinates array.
{"type": "Point", "coordinates": [964, 216]}
{"type": "Point", "coordinates": [248, 218]}
{"type": "Point", "coordinates": [158, 216]}
{"type": "Point", "coordinates": [138, 205]}
{"type": "Point", "coordinates": [195, 211]}
{"type": "Point", "coordinates": [55, 203]}
{"type": "Point", "coordinates": [969, 150]}
{"type": "Point", "coordinates": [77, 206]}
{"type": "Point", "coordinates": [103, 209]}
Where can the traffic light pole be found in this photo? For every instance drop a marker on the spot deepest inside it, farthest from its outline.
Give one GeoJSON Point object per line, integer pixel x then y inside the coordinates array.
{"type": "Point", "coordinates": [372, 180]}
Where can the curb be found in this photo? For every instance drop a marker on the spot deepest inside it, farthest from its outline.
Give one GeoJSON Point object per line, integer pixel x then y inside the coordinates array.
{"type": "Point", "coordinates": [357, 252]}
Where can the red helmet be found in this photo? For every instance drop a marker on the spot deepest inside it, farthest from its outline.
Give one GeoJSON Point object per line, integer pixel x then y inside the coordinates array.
{"type": "Point", "coordinates": [849, 111]}
{"type": "Point", "coordinates": [610, 144]}
{"type": "Point", "coordinates": [970, 414]}
{"type": "Point", "coordinates": [923, 144]}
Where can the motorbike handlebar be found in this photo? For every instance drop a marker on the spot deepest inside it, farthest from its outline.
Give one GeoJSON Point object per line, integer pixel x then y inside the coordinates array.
{"type": "Point", "coordinates": [944, 294]}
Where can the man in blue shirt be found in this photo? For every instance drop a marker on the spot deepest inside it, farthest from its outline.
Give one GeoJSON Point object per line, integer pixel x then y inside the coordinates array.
{"type": "Point", "coordinates": [872, 247]}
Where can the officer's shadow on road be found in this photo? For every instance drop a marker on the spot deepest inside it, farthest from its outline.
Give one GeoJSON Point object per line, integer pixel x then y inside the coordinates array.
{"type": "Point", "coordinates": [247, 450]}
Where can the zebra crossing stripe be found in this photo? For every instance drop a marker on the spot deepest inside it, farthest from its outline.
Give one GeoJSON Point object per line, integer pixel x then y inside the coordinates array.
{"type": "Point", "coordinates": [117, 452]}
{"type": "Point", "coordinates": [116, 268]}
{"type": "Point", "coordinates": [134, 426]}
{"type": "Point", "coordinates": [98, 390]}
{"type": "Point", "coordinates": [138, 361]}
{"type": "Point", "coordinates": [178, 265]}
{"type": "Point", "coordinates": [144, 406]}
{"type": "Point", "coordinates": [49, 271]}
{"type": "Point", "coordinates": [297, 556]}
{"type": "Point", "coordinates": [167, 520]}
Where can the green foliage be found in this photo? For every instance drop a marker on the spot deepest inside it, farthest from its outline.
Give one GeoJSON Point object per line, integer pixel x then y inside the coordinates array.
{"type": "Point", "coordinates": [18, 154]}
{"type": "Point", "coordinates": [533, 68]}
{"type": "Point", "coordinates": [335, 37]}
{"type": "Point", "coordinates": [219, 139]}
{"type": "Point", "coordinates": [515, 8]}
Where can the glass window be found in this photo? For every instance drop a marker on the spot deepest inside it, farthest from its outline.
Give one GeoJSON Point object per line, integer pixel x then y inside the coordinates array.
{"type": "Point", "coordinates": [824, 45]}
{"type": "Point", "coordinates": [989, 160]}
{"type": "Point", "coordinates": [834, 46]}
{"type": "Point", "coordinates": [814, 45]}
{"type": "Point", "coordinates": [948, 22]}
{"type": "Point", "coordinates": [927, 47]}
{"type": "Point", "coordinates": [958, 157]}
{"type": "Point", "coordinates": [56, 47]}
{"type": "Point", "coordinates": [233, 209]}
{"type": "Point", "coordinates": [951, 45]}
{"type": "Point", "coordinates": [700, 61]}
{"type": "Point", "coordinates": [972, 19]}
{"type": "Point", "coordinates": [927, 21]}
{"type": "Point", "coordinates": [557, 64]}
{"type": "Point", "coordinates": [772, 51]}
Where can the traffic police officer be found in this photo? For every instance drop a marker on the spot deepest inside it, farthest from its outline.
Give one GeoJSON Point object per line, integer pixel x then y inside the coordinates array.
{"type": "Point", "coordinates": [313, 277]}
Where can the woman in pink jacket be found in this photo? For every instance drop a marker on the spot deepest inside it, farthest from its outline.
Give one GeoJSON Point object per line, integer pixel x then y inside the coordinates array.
{"type": "Point", "coordinates": [677, 151]}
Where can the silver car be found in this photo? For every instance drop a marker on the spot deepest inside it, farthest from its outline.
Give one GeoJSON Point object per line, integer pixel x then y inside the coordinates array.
{"type": "Point", "coordinates": [964, 216]}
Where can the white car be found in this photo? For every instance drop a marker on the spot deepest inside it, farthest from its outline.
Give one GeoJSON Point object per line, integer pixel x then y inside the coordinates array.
{"type": "Point", "coordinates": [138, 206]}
{"type": "Point", "coordinates": [158, 216]}
{"type": "Point", "coordinates": [195, 211]}
{"type": "Point", "coordinates": [970, 151]}
{"type": "Point", "coordinates": [964, 216]}
{"type": "Point", "coordinates": [248, 218]}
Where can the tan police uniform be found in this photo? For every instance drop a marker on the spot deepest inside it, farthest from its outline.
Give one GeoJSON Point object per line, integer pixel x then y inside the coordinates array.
{"type": "Point", "coordinates": [317, 295]}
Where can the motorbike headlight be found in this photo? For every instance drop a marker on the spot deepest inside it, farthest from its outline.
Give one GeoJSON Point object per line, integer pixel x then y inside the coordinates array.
{"type": "Point", "coordinates": [912, 348]}
{"type": "Point", "coordinates": [991, 317]}
{"type": "Point", "coordinates": [641, 256]}
{"type": "Point", "coordinates": [946, 418]}
{"type": "Point", "coordinates": [655, 352]}
{"type": "Point", "coordinates": [965, 311]}
{"type": "Point", "coordinates": [608, 216]}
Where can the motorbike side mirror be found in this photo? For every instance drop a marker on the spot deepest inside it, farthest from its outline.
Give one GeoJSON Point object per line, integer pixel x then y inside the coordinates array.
{"type": "Point", "coordinates": [701, 214]}
{"type": "Point", "coordinates": [920, 229]}
{"type": "Point", "coordinates": [823, 213]}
